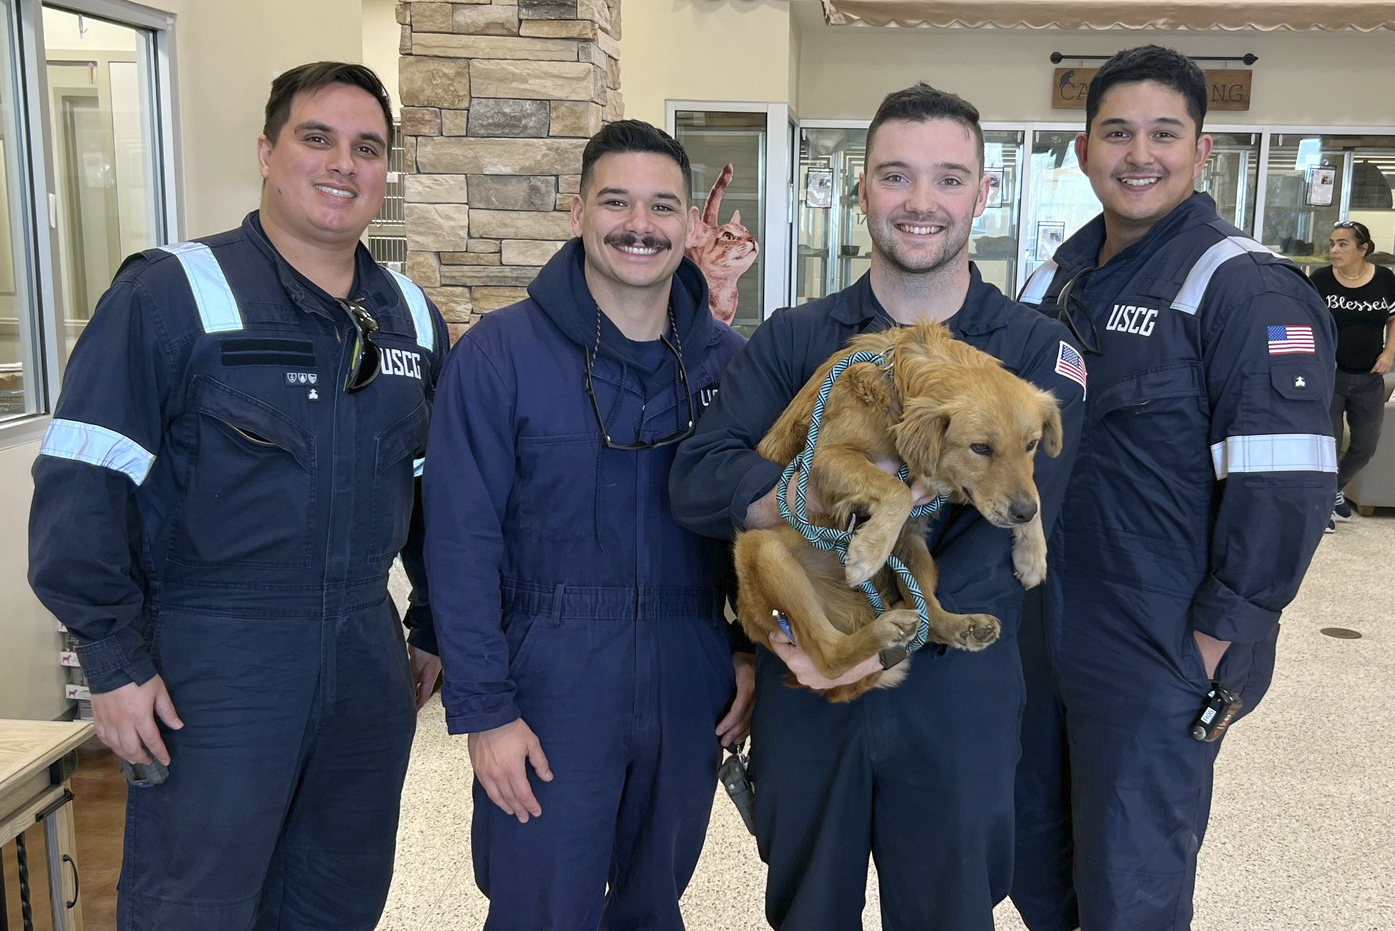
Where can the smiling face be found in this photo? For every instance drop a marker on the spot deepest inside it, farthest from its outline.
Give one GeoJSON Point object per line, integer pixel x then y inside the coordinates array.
{"type": "Point", "coordinates": [923, 186]}
{"type": "Point", "coordinates": [1142, 155]}
{"type": "Point", "coordinates": [326, 172]}
{"type": "Point", "coordinates": [633, 222]}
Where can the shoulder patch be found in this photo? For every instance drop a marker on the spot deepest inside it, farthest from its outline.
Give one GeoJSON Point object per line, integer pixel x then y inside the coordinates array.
{"type": "Point", "coordinates": [1071, 364]}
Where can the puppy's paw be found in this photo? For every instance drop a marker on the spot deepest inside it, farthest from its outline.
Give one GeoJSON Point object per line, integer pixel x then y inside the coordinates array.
{"type": "Point", "coordinates": [896, 628]}
{"type": "Point", "coordinates": [1029, 555]}
{"type": "Point", "coordinates": [1029, 566]}
{"type": "Point", "coordinates": [970, 632]}
{"type": "Point", "coordinates": [867, 554]}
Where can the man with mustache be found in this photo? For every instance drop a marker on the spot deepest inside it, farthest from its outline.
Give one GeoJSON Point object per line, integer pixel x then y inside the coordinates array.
{"type": "Point", "coordinates": [226, 480]}
{"type": "Point", "coordinates": [1206, 479]}
{"type": "Point", "coordinates": [919, 777]}
{"type": "Point", "coordinates": [581, 628]}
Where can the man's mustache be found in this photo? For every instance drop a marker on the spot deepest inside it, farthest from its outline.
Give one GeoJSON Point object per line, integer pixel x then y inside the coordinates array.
{"type": "Point", "coordinates": [633, 240]}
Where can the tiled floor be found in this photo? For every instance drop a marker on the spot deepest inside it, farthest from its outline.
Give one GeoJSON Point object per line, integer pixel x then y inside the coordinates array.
{"type": "Point", "coordinates": [1301, 835]}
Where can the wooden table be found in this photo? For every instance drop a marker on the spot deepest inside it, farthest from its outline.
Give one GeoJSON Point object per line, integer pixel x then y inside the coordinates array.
{"type": "Point", "coordinates": [33, 788]}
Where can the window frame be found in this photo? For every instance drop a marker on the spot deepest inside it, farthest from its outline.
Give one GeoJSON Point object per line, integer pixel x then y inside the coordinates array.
{"type": "Point", "coordinates": [38, 199]}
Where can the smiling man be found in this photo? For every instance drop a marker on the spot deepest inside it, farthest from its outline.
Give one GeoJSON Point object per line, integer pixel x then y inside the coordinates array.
{"type": "Point", "coordinates": [225, 483]}
{"type": "Point", "coordinates": [581, 628]}
{"type": "Point", "coordinates": [919, 776]}
{"type": "Point", "coordinates": [1207, 480]}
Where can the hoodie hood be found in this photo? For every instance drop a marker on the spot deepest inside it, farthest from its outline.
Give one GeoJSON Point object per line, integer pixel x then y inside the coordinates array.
{"type": "Point", "coordinates": [560, 291]}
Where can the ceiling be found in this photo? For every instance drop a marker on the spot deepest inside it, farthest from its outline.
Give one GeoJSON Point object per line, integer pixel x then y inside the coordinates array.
{"type": "Point", "coordinates": [1200, 15]}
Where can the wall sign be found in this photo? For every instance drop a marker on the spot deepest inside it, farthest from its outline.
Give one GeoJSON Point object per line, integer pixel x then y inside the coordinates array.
{"type": "Point", "coordinates": [1228, 90]}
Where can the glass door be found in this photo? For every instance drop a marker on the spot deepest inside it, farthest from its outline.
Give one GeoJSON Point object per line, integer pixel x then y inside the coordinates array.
{"type": "Point", "coordinates": [103, 126]}
{"type": "Point", "coordinates": [994, 241]}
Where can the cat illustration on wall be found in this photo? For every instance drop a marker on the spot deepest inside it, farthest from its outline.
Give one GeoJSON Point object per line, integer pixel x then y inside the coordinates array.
{"type": "Point", "coordinates": [724, 252]}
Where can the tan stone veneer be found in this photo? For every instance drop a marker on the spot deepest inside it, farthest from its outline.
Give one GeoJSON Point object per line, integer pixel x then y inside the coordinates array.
{"type": "Point", "coordinates": [498, 100]}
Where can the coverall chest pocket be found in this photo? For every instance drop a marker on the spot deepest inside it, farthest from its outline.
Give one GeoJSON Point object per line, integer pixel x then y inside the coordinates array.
{"type": "Point", "coordinates": [250, 498]}
{"type": "Point", "coordinates": [557, 497]}
{"type": "Point", "coordinates": [394, 483]}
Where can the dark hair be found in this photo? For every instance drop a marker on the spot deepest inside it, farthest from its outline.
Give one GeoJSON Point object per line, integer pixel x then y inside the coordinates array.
{"type": "Point", "coordinates": [1359, 232]}
{"type": "Point", "coordinates": [921, 103]}
{"type": "Point", "coordinates": [633, 136]}
{"type": "Point", "coordinates": [314, 76]}
{"type": "Point", "coordinates": [1166, 66]}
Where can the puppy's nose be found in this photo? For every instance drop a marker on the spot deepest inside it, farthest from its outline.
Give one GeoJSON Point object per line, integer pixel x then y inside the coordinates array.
{"type": "Point", "coordinates": [1022, 510]}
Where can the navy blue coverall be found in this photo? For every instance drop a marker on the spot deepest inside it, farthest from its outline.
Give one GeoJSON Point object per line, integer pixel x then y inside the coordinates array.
{"type": "Point", "coordinates": [919, 776]}
{"type": "Point", "coordinates": [565, 594]}
{"type": "Point", "coordinates": [1204, 480]}
{"type": "Point", "coordinates": [211, 505]}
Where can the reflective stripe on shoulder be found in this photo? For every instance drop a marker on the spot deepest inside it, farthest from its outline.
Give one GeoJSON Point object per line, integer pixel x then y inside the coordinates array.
{"type": "Point", "coordinates": [212, 294]}
{"type": "Point", "coordinates": [1189, 299]}
{"type": "Point", "coordinates": [1034, 292]}
{"type": "Point", "coordinates": [85, 442]}
{"type": "Point", "coordinates": [416, 303]}
{"type": "Point", "coordinates": [1275, 452]}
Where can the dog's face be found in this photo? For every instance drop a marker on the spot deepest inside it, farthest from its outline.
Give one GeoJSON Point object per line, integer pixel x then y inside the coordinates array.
{"type": "Point", "coordinates": [981, 443]}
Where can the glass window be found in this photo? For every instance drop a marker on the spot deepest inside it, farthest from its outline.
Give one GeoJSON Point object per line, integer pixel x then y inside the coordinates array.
{"type": "Point", "coordinates": [19, 351]}
{"type": "Point", "coordinates": [102, 120]}
{"type": "Point", "coordinates": [729, 252]}
{"type": "Point", "coordinates": [1231, 176]}
{"type": "Point", "coordinates": [833, 248]}
{"type": "Point", "coordinates": [994, 240]}
{"type": "Point", "coordinates": [1314, 180]}
{"type": "Point", "coordinates": [1062, 199]}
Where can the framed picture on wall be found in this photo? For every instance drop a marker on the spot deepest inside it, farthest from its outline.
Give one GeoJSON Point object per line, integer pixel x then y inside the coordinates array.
{"type": "Point", "coordinates": [818, 187]}
{"type": "Point", "coordinates": [996, 182]}
{"type": "Point", "coordinates": [1050, 235]}
{"type": "Point", "coordinates": [1321, 181]}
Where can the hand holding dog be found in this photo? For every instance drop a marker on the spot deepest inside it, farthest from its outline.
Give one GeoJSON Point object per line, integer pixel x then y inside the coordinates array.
{"type": "Point", "coordinates": [803, 669]}
{"type": "Point", "coordinates": [498, 757]}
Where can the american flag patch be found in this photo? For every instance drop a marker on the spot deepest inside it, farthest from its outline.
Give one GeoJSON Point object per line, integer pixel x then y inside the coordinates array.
{"type": "Point", "coordinates": [1286, 340]}
{"type": "Point", "coordinates": [1070, 364]}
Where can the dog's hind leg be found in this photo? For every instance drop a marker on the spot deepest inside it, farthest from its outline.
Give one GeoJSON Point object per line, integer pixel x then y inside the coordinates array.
{"type": "Point", "coordinates": [773, 578]}
{"type": "Point", "coordinates": [965, 631]}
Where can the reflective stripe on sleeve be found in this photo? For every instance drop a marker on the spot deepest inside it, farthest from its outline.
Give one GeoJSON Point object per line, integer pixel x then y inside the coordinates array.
{"type": "Point", "coordinates": [85, 442]}
{"type": "Point", "coordinates": [1275, 452]}
{"type": "Point", "coordinates": [417, 465]}
{"type": "Point", "coordinates": [1034, 292]}
{"type": "Point", "coordinates": [416, 303]}
{"type": "Point", "coordinates": [1199, 278]}
{"type": "Point", "coordinates": [212, 294]}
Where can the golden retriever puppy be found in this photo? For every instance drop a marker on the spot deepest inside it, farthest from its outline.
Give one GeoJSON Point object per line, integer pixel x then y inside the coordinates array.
{"type": "Point", "coordinates": [965, 427]}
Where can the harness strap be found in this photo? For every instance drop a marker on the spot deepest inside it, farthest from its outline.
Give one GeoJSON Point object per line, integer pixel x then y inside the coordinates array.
{"type": "Point", "coordinates": [837, 541]}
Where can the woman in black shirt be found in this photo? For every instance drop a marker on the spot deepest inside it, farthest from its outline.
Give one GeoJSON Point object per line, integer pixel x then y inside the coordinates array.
{"type": "Point", "coordinates": [1361, 298]}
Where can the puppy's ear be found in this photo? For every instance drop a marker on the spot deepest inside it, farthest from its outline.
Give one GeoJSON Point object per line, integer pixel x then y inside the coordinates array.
{"type": "Point", "coordinates": [1051, 431]}
{"type": "Point", "coordinates": [920, 435]}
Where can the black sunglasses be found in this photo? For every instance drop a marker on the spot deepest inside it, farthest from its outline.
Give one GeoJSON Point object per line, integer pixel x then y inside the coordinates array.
{"type": "Point", "coordinates": [1069, 303]}
{"type": "Point", "coordinates": [365, 361]}
{"type": "Point", "coordinates": [682, 380]}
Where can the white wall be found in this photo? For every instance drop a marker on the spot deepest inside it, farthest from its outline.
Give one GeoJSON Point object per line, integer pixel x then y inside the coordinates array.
{"type": "Point", "coordinates": [382, 39]}
{"type": "Point", "coordinates": [702, 50]}
{"type": "Point", "coordinates": [228, 55]}
{"type": "Point", "coordinates": [1313, 79]}
{"type": "Point", "coordinates": [31, 681]}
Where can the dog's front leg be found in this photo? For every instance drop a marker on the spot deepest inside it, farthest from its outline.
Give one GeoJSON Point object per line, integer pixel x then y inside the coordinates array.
{"type": "Point", "coordinates": [849, 483]}
{"type": "Point", "coordinates": [1029, 552]}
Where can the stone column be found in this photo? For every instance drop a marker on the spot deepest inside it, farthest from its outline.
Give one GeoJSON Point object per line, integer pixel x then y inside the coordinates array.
{"type": "Point", "coordinates": [498, 100]}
